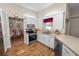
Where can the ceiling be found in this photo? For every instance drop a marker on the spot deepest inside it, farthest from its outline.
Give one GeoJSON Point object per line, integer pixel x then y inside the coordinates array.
{"type": "Point", "coordinates": [37, 7]}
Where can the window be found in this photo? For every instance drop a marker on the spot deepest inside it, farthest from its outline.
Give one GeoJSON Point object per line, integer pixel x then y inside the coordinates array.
{"type": "Point", "coordinates": [48, 24]}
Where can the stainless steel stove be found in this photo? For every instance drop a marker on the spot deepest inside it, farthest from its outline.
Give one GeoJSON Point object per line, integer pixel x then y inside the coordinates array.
{"type": "Point", "coordinates": [32, 35]}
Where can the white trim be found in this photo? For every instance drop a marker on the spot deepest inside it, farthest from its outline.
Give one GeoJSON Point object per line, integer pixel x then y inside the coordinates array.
{"type": "Point", "coordinates": [74, 16]}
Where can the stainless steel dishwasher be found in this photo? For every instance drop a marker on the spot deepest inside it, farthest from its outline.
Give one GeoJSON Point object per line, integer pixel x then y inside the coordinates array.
{"type": "Point", "coordinates": [58, 48]}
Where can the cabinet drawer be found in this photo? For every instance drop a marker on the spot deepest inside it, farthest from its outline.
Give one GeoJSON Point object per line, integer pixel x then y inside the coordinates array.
{"type": "Point", "coordinates": [67, 52]}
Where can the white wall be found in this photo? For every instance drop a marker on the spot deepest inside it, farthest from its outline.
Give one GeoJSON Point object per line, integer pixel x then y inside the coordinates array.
{"type": "Point", "coordinates": [52, 9]}
{"type": "Point", "coordinates": [11, 9]}
{"type": "Point", "coordinates": [5, 30]}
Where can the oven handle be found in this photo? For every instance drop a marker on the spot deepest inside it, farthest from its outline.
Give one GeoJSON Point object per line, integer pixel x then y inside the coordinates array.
{"type": "Point", "coordinates": [32, 33]}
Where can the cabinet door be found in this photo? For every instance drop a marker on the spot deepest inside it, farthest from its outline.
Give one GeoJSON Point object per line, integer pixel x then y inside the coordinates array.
{"type": "Point", "coordinates": [39, 37]}
{"type": "Point", "coordinates": [48, 41]}
{"type": "Point", "coordinates": [52, 42]}
{"type": "Point", "coordinates": [67, 52]}
{"type": "Point", "coordinates": [31, 20]}
{"type": "Point", "coordinates": [42, 38]}
{"type": "Point", "coordinates": [45, 40]}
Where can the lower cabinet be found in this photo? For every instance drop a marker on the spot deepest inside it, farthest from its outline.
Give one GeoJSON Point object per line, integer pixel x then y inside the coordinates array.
{"type": "Point", "coordinates": [67, 52]}
{"type": "Point", "coordinates": [40, 37]}
{"type": "Point", "coordinates": [51, 42]}
{"type": "Point", "coordinates": [46, 40]}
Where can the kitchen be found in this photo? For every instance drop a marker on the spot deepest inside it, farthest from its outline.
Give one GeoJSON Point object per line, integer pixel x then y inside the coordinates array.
{"type": "Point", "coordinates": [50, 26]}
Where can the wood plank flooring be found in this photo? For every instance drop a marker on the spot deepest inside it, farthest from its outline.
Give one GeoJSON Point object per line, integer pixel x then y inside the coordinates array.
{"type": "Point", "coordinates": [34, 49]}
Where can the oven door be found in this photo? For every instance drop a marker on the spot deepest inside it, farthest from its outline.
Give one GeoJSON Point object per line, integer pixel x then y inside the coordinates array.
{"type": "Point", "coordinates": [32, 37]}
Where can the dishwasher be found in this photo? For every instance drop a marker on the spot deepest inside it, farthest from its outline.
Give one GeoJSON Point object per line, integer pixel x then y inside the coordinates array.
{"type": "Point", "coordinates": [58, 48]}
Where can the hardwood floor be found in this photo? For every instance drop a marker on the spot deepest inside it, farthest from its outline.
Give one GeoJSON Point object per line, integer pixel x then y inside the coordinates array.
{"type": "Point", "coordinates": [34, 49]}
{"type": "Point", "coordinates": [17, 41]}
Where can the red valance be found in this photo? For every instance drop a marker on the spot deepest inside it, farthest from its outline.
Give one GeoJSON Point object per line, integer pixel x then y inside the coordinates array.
{"type": "Point", "coordinates": [48, 20]}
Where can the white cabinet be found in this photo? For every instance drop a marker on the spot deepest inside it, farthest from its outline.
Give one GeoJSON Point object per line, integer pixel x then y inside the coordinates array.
{"type": "Point", "coordinates": [66, 51]}
{"type": "Point", "coordinates": [51, 42]}
{"type": "Point", "coordinates": [31, 20]}
{"type": "Point", "coordinates": [42, 38]}
{"type": "Point", "coordinates": [46, 40]}
{"type": "Point", "coordinates": [38, 37]}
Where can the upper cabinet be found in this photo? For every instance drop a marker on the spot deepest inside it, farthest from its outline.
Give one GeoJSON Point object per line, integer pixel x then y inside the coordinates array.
{"type": "Point", "coordinates": [30, 20]}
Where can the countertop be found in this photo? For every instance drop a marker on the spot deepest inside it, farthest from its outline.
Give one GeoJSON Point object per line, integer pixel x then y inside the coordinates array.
{"type": "Point", "coordinates": [70, 41]}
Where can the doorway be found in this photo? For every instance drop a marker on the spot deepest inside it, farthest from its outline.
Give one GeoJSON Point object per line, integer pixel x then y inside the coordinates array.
{"type": "Point", "coordinates": [16, 31]}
